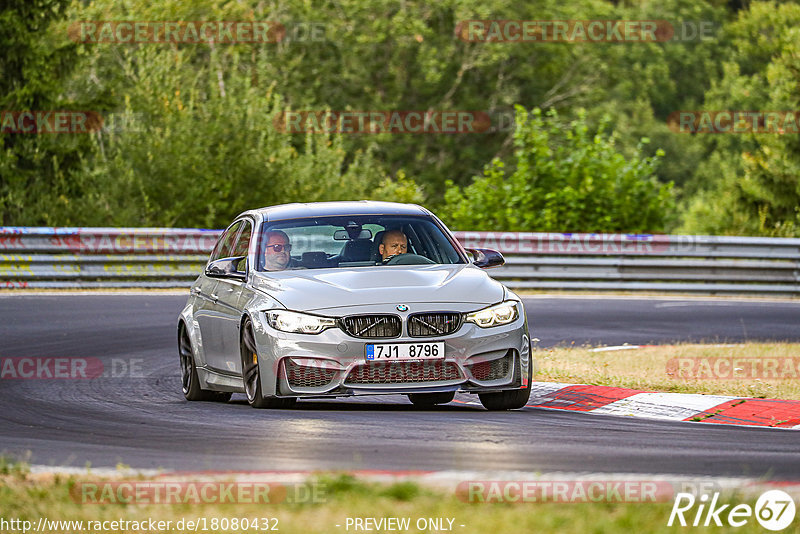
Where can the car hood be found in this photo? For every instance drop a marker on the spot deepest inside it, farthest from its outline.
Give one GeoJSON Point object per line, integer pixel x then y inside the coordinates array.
{"type": "Point", "coordinates": [318, 289]}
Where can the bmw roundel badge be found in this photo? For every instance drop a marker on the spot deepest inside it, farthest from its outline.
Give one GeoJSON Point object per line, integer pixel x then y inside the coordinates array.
{"type": "Point", "coordinates": [402, 308]}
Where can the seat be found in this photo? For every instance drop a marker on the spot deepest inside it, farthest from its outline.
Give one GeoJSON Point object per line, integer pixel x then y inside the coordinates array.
{"type": "Point", "coordinates": [357, 250]}
{"type": "Point", "coordinates": [314, 260]}
{"type": "Point", "coordinates": [376, 244]}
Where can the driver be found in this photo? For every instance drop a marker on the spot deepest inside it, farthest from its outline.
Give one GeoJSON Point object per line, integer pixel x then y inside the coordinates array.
{"type": "Point", "coordinates": [393, 244]}
{"type": "Point", "coordinates": [276, 253]}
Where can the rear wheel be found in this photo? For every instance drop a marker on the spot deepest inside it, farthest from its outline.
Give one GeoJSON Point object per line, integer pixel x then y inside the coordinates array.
{"type": "Point", "coordinates": [251, 374]}
{"type": "Point", "coordinates": [509, 399]}
{"type": "Point", "coordinates": [431, 399]}
{"type": "Point", "coordinates": [189, 381]}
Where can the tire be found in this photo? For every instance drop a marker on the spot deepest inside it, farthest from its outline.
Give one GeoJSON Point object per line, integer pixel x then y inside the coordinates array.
{"type": "Point", "coordinates": [511, 399]}
{"type": "Point", "coordinates": [251, 374]}
{"type": "Point", "coordinates": [189, 381]}
{"type": "Point", "coordinates": [431, 399]}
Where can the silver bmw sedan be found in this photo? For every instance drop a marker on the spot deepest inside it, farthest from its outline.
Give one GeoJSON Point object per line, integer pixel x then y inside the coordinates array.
{"type": "Point", "coordinates": [335, 299]}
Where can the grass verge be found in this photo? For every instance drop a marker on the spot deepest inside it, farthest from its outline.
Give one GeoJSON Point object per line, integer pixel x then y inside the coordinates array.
{"type": "Point", "coordinates": [30, 497]}
{"type": "Point", "coordinates": [760, 370]}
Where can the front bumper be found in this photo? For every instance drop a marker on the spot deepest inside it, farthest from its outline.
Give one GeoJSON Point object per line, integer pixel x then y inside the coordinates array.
{"type": "Point", "coordinates": [333, 363]}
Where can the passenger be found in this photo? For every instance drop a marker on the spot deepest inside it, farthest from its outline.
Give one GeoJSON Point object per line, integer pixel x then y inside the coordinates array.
{"type": "Point", "coordinates": [276, 253]}
{"type": "Point", "coordinates": [393, 244]}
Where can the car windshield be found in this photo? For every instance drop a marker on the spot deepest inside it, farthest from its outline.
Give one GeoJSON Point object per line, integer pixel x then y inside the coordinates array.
{"type": "Point", "coordinates": [353, 241]}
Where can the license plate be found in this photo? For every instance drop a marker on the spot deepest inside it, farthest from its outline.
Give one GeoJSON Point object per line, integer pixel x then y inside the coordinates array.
{"type": "Point", "coordinates": [405, 351]}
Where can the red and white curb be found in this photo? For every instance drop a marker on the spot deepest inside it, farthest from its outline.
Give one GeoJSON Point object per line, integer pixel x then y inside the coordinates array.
{"type": "Point", "coordinates": [718, 409]}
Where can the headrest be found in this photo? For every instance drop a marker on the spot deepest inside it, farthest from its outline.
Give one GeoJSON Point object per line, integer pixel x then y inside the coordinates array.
{"type": "Point", "coordinates": [357, 250]}
{"type": "Point", "coordinates": [314, 260]}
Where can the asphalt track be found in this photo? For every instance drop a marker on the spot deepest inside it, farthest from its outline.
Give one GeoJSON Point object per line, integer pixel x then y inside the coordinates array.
{"type": "Point", "coordinates": [140, 419]}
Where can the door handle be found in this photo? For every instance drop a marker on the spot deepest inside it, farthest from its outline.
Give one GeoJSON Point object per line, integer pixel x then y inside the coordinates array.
{"type": "Point", "coordinates": [214, 297]}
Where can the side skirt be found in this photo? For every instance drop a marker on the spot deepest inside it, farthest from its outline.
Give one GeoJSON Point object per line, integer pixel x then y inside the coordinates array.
{"type": "Point", "coordinates": [216, 381]}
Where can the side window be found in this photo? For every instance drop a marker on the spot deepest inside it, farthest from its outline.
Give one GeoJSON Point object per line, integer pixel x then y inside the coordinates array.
{"type": "Point", "coordinates": [243, 241]}
{"type": "Point", "coordinates": [439, 245]}
{"type": "Point", "coordinates": [243, 244]}
{"type": "Point", "coordinates": [225, 243]}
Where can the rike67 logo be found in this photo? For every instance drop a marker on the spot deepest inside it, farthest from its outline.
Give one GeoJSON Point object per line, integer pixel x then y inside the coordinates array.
{"type": "Point", "coordinates": [774, 510]}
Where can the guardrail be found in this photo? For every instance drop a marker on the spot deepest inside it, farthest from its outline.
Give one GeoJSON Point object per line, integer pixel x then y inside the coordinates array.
{"type": "Point", "coordinates": [637, 262]}
{"type": "Point", "coordinates": [102, 257]}
{"type": "Point", "coordinates": [159, 257]}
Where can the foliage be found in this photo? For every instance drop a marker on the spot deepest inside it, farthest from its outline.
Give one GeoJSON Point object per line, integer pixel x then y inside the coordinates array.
{"type": "Point", "coordinates": [34, 170]}
{"type": "Point", "coordinates": [566, 179]}
{"type": "Point", "coordinates": [202, 145]}
{"type": "Point", "coordinates": [208, 148]}
{"type": "Point", "coordinates": [749, 184]}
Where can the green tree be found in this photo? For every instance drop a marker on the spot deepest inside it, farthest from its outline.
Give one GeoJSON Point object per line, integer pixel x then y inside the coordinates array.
{"type": "Point", "coordinates": [567, 179]}
{"type": "Point", "coordinates": [395, 55]}
{"type": "Point", "coordinates": [200, 148]}
{"type": "Point", "coordinates": [646, 82]}
{"type": "Point", "coordinates": [749, 183]}
{"type": "Point", "coordinates": [36, 170]}
{"type": "Point", "coordinates": [371, 55]}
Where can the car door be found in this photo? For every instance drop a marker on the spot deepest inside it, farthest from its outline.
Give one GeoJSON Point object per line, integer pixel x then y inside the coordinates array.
{"type": "Point", "coordinates": [227, 313]}
{"type": "Point", "coordinates": [206, 314]}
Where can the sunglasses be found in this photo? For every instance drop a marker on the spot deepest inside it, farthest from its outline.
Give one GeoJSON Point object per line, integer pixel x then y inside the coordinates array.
{"type": "Point", "coordinates": [279, 248]}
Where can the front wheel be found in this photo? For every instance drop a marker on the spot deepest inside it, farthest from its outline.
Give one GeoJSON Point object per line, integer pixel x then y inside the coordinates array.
{"type": "Point", "coordinates": [431, 399]}
{"type": "Point", "coordinates": [509, 399]}
{"type": "Point", "coordinates": [189, 381]}
{"type": "Point", "coordinates": [506, 400]}
{"type": "Point", "coordinates": [251, 374]}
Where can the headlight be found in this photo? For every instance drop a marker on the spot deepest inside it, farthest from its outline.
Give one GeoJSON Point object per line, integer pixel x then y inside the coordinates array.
{"type": "Point", "coordinates": [299, 323]}
{"type": "Point", "coordinates": [499, 314]}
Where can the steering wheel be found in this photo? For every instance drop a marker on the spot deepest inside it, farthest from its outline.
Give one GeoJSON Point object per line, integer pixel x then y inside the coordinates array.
{"type": "Point", "coordinates": [408, 259]}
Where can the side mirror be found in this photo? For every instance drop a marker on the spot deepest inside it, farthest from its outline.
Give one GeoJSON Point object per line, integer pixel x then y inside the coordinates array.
{"type": "Point", "coordinates": [486, 258]}
{"type": "Point", "coordinates": [227, 268]}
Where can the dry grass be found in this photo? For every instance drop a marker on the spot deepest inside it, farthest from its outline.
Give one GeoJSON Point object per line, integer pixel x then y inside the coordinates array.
{"type": "Point", "coordinates": [666, 368]}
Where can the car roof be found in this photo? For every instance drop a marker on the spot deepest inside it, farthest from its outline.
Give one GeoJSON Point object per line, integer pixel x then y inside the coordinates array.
{"type": "Point", "coordinates": [324, 209]}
